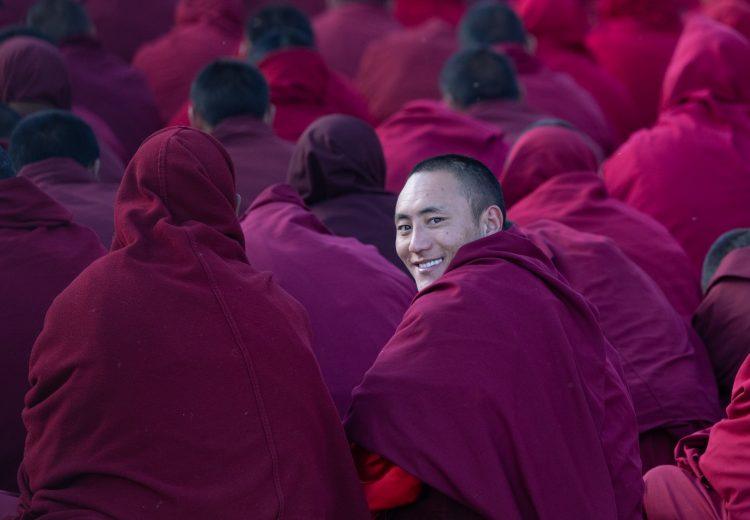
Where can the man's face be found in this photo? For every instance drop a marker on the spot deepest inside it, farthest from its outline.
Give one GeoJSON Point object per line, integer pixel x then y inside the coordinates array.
{"type": "Point", "coordinates": [433, 220]}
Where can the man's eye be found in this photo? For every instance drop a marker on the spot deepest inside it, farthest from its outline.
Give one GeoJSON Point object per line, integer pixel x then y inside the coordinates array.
{"type": "Point", "coordinates": [403, 228]}
{"type": "Point", "coordinates": [435, 220]}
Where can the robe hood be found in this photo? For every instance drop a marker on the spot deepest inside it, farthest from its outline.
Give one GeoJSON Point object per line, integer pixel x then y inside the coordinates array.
{"type": "Point", "coordinates": [23, 205]}
{"type": "Point", "coordinates": [296, 75]}
{"type": "Point", "coordinates": [563, 21]}
{"type": "Point", "coordinates": [227, 14]}
{"type": "Point", "coordinates": [33, 71]}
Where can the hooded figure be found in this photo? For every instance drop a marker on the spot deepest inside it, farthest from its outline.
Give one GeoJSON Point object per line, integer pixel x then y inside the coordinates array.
{"type": "Point", "coordinates": [204, 30]}
{"type": "Point", "coordinates": [339, 170]}
{"type": "Point", "coordinates": [215, 408]}
{"type": "Point", "coordinates": [691, 171]}
{"type": "Point", "coordinates": [551, 173]}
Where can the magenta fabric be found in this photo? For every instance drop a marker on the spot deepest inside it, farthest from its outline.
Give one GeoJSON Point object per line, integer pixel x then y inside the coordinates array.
{"type": "Point", "coordinates": [691, 171]}
{"type": "Point", "coordinates": [355, 298]}
{"type": "Point", "coordinates": [560, 28]}
{"type": "Point", "coordinates": [204, 31]}
{"type": "Point", "coordinates": [424, 129]}
{"type": "Point", "coordinates": [43, 251]}
{"type": "Point", "coordinates": [723, 318]}
{"type": "Point", "coordinates": [415, 12]}
{"type": "Point", "coordinates": [260, 158]}
{"type": "Point", "coordinates": [13, 12]}
{"type": "Point", "coordinates": [343, 33]}
{"type": "Point", "coordinates": [405, 66]}
{"type": "Point", "coordinates": [304, 88]}
{"type": "Point", "coordinates": [8, 505]}
{"type": "Point", "coordinates": [511, 117]}
{"type": "Point", "coordinates": [111, 152]}
{"type": "Point", "coordinates": [110, 88]}
{"type": "Point", "coordinates": [551, 174]}
{"type": "Point", "coordinates": [673, 493]}
{"type": "Point", "coordinates": [338, 169]}
{"type": "Point", "coordinates": [214, 409]}
{"type": "Point", "coordinates": [75, 188]}
{"type": "Point", "coordinates": [734, 13]}
{"type": "Point", "coordinates": [665, 365]}
{"type": "Point", "coordinates": [547, 403]}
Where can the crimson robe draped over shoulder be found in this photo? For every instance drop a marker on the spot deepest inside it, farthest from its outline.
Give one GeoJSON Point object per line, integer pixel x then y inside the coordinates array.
{"type": "Point", "coordinates": [355, 298]}
{"type": "Point", "coordinates": [172, 380]}
{"type": "Point", "coordinates": [43, 251]}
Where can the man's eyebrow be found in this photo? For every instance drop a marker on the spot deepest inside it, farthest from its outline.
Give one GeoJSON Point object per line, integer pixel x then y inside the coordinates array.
{"type": "Point", "coordinates": [429, 209]}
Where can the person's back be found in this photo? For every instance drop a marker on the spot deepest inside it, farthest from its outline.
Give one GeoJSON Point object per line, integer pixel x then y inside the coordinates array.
{"type": "Point", "coordinates": [231, 101]}
{"type": "Point", "coordinates": [551, 173]}
{"type": "Point", "coordinates": [355, 298]}
{"type": "Point", "coordinates": [344, 31]}
{"type": "Point", "coordinates": [691, 170]}
{"type": "Point", "coordinates": [213, 409]}
{"type": "Point", "coordinates": [204, 30]}
{"type": "Point", "coordinates": [100, 81]}
{"type": "Point", "coordinates": [43, 251]}
{"type": "Point", "coordinates": [58, 152]}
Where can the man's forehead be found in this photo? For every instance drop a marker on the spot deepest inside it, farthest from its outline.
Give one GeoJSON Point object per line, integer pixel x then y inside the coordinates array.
{"type": "Point", "coordinates": [434, 190]}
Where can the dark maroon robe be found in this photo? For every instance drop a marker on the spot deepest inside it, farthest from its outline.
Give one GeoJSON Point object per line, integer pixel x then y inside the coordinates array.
{"type": "Point", "coordinates": [355, 298]}
{"type": "Point", "coordinates": [112, 89]}
{"type": "Point", "coordinates": [339, 170]}
{"type": "Point", "coordinates": [13, 12]}
{"type": "Point", "coordinates": [76, 188]}
{"type": "Point", "coordinates": [510, 116]}
{"type": "Point", "coordinates": [43, 251]}
{"type": "Point", "coordinates": [260, 158]}
{"type": "Point", "coordinates": [723, 318]}
{"type": "Point", "coordinates": [343, 32]}
{"type": "Point", "coordinates": [171, 379]}
{"type": "Point", "coordinates": [500, 391]}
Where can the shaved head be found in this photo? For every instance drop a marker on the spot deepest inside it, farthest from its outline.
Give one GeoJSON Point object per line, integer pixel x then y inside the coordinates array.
{"type": "Point", "coordinates": [725, 244]}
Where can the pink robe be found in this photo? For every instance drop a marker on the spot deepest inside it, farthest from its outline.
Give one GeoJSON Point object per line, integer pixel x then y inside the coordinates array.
{"type": "Point", "coordinates": [355, 298]}
{"type": "Point", "coordinates": [424, 129]}
{"type": "Point", "coordinates": [214, 409]}
{"type": "Point", "coordinates": [343, 33]}
{"type": "Point", "coordinates": [691, 171]}
{"type": "Point", "coordinates": [43, 251]}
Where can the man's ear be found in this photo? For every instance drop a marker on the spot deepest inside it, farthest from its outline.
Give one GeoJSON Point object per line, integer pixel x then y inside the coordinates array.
{"type": "Point", "coordinates": [238, 199]}
{"type": "Point", "coordinates": [196, 121]}
{"type": "Point", "coordinates": [244, 48]}
{"type": "Point", "coordinates": [450, 102]}
{"type": "Point", "coordinates": [95, 167]}
{"type": "Point", "coordinates": [492, 221]}
{"type": "Point", "coordinates": [270, 114]}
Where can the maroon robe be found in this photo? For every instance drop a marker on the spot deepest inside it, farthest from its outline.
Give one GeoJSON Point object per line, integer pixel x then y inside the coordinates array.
{"type": "Point", "coordinates": [13, 12]}
{"type": "Point", "coordinates": [500, 391]}
{"type": "Point", "coordinates": [339, 170]}
{"type": "Point", "coordinates": [510, 116]}
{"type": "Point", "coordinates": [355, 298]}
{"type": "Point", "coordinates": [76, 188]}
{"type": "Point", "coordinates": [723, 318]}
{"type": "Point", "coordinates": [405, 66]}
{"type": "Point", "coordinates": [424, 129]}
{"type": "Point", "coordinates": [734, 13]}
{"type": "Point", "coordinates": [260, 158]}
{"type": "Point", "coordinates": [204, 31]}
{"type": "Point", "coordinates": [665, 364]}
{"type": "Point", "coordinates": [214, 408]}
{"type": "Point", "coordinates": [109, 87]}
{"type": "Point", "coordinates": [415, 12]}
{"type": "Point", "coordinates": [691, 171]}
{"type": "Point", "coordinates": [43, 251]}
{"type": "Point", "coordinates": [343, 33]}
{"type": "Point", "coordinates": [551, 174]}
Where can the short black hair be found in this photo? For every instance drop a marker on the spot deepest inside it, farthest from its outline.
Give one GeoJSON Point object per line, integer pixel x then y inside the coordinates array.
{"type": "Point", "coordinates": [491, 22]}
{"type": "Point", "coordinates": [53, 133]}
{"type": "Point", "coordinates": [11, 31]}
{"type": "Point", "coordinates": [725, 244]}
{"type": "Point", "coordinates": [480, 186]}
{"type": "Point", "coordinates": [9, 118]}
{"type": "Point", "coordinates": [227, 88]}
{"type": "Point", "coordinates": [277, 27]}
{"type": "Point", "coordinates": [6, 167]}
{"type": "Point", "coordinates": [59, 19]}
{"type": "Point", "coordinates": [479, 74]}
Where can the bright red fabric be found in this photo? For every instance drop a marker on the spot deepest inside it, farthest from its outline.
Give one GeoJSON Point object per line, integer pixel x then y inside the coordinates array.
{"type": "Point", "coordinates": [424, 129]}
{"type": "Point", "coordinates": [691, 171]}
{"type": "Point", "coordinates": [386, 486]}
{"type": "Point", "coordinates": [343, 33]}
{"type": "Point", "coordinates": [214, 409]}
{"type": "Point", "coordinates": [43, 251]}
{"type": "Point", "coordinates": [415, 12]}
{"type": "Point", "coordinates": [675, 494]}
{"type": "Point", "coordinates": [204, 31]}
{"type": "Point", "coordinates": [551, 174]}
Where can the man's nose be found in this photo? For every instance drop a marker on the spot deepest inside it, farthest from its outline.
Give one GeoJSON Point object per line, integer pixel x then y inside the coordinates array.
{"type": "Point", "coordinates": [419, 241]}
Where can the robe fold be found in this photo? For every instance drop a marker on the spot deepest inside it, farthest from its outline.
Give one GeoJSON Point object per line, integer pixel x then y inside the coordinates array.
{"type": "Point", "coordinates": [551, 174]}
{"type": "Point", "coordinates": [215, 409]}
{"type": "Point", "coordinates": [343, 33]}
{"type": "Point", "coordinates": [512, 117]}
{"type": "Point", "coordinates": [691, 171]}
{"type": "Point", "coordinates": [338, 169]}
{"type": "Point", "coordinates": [424, 129]}
{"type": "Point", "coordinates": [43, 251]}
{"type": "Point", "coordinates": [204, 31]}
{"type": "Point", "coordinates": [511, 419]}
{"type": "Point", "coordinates": [723, 318]}
{"type": "Point", "coordinates": [734, 13]}
{"type": "Point", "coordinates": [76, 189]}
{"type": "Point", "coordinates": [355, 298]}
{"type": "Point", "coordinates": [415, 12]}
{"type": "Point", "coordinates": [260, 158]}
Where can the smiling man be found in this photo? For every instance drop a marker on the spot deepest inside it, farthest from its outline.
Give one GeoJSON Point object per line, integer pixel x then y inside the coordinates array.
{"type": "Point", "coordinates": [498, 396]}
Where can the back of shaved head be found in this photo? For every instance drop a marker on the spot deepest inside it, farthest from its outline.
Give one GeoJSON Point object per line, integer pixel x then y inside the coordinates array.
{"type": "Point", "coordinates": [725, 244]}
